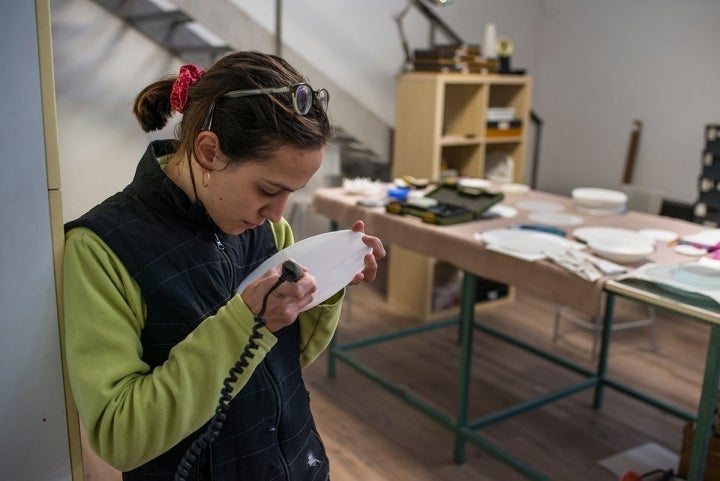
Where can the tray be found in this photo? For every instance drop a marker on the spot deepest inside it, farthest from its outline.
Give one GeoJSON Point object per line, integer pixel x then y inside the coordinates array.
{"type": "Point", "coordinates": [455, 204]}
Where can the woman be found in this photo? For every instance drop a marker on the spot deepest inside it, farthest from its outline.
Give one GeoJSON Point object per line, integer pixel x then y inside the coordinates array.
{"type": "Point", "coordinates": [153, 320]}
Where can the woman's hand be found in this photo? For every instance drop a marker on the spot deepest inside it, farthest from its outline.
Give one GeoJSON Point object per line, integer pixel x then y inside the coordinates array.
{"type": "Point", "coordinates": [371, 260]}
{"type": "Point", "coordinates": [285, 303]}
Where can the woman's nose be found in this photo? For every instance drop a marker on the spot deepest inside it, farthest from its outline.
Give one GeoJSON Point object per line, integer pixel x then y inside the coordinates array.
{"type": "Point", "coordinates": [274, 210]}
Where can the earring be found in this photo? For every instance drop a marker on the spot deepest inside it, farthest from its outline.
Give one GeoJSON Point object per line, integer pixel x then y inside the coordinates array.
{"type": "Point", "coordinates": [206, 178]}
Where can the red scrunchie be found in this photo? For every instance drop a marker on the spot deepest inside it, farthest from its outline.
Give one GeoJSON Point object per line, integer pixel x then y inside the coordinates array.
{"type": "Point", "coordinates": [189, 74]}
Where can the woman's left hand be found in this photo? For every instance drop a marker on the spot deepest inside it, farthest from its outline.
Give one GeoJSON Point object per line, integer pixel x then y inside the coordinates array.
{"type": "Point", "coordinates": [371, 260]}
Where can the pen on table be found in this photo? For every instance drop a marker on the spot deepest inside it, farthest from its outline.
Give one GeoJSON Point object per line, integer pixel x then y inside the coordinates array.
{"type": "Point", "coordinates": [712, 248]}
{"type": "Point", "coordinates": [540, 228]}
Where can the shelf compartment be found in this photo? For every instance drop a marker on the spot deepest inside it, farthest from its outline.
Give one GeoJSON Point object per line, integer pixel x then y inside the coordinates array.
{"type": "Point", "coordinates": [514, 148]}
{"type": "Point", "coordinates": [463, 105]}
{"type": "Point", "coordinates": [465, 159]}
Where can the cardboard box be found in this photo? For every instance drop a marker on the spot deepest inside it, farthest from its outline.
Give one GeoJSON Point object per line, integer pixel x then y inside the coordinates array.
{"type": "Point", "coordinates": [712, 462]}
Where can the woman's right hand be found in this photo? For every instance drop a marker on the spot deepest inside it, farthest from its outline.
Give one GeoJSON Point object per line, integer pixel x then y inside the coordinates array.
{"type": "Point", "coordinates": [285, 303]}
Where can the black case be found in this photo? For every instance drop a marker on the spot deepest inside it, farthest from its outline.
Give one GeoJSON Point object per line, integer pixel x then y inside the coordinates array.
{"type": "Point", "coordinates": [455, 204]}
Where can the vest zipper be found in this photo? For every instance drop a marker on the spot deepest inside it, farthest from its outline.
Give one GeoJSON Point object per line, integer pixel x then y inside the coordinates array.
{"type": "Point", "coordinates": [226, 256]}
{"type": "Point", "coordinates": [218, 242]}
{"type": "Point", "coordinates": [278, 403]}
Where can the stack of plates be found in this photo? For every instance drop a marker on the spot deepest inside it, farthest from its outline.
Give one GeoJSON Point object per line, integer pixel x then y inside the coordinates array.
{"type": "Point", "coordinates": [590, 200]}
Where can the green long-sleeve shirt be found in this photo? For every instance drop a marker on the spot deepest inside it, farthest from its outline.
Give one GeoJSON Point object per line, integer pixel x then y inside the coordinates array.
{"type": "Point", "coordinates": [132, 414]}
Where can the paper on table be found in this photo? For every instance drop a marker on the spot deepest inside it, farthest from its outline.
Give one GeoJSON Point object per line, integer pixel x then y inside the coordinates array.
{"type": "Point", "coordinates": [707, 238]}
{"type": "Point", "coordinates": [697, 280]}
{"type": "Point", "coordinates": [333, 258]}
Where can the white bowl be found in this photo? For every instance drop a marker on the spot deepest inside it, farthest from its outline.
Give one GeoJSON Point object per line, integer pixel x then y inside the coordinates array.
{"type": "Point", "coordinates": [592, 200]}
{"type": "Point", "coordinates": [622, 249]}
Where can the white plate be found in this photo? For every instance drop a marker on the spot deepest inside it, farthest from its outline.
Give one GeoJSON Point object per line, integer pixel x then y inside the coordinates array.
{"type": "Point", "coordinates": [555, 218]}
{"type": "Point", "coordinates": [697, 276]}
{"type": "Point", "coordinates": [709, 237]}
{"type": "Point", "coordinates": [664, 276]}
{"type": "Point", "coordinates": [618, 245]}
{"type": "Point", "coordinates": [622, 249]}
{"type": "Point", "coordinates": [585, 234]}
{"type": "Point", "coordinates": [688, 250]}
{"type": "Point", "coordinates": [514, 189]}
{"type": "Point", "coordinates": [333, 258]}
{"type": "Point", "coordinates": [502, 210]}
{"type": "Point", "coordinates": [540, 205]}
{"type": "Point", "coordinates": [528, 241]}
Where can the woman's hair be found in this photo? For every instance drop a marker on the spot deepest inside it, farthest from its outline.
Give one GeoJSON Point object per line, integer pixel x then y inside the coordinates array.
{"type": "Point", "coordinates": [252, 127]}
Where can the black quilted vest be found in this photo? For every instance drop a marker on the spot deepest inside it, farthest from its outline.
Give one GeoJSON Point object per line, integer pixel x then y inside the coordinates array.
{"type": "Point", "coordinates": [187, 269]}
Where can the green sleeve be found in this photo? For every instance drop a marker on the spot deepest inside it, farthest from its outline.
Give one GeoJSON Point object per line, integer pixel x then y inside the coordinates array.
{"type": "Point", "coordinates": [133, 414]}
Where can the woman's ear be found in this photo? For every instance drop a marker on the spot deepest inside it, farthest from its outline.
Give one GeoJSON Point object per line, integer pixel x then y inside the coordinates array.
{"type": "Point", "coordinates": [207, 151]}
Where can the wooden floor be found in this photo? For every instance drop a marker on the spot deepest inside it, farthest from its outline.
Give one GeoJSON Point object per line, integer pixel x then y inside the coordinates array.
{"type": "Point", "coordinates": [371, 435]}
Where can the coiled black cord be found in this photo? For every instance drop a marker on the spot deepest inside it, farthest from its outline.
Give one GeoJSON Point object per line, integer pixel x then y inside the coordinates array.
{"type": "Point", "coordinates": [291, 271]}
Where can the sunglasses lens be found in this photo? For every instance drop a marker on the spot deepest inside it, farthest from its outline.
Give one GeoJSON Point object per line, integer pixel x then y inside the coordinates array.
{"type": "Point", "coordinates": [303, 98]}
{"type": "Point", "coordinates": [323, 97]}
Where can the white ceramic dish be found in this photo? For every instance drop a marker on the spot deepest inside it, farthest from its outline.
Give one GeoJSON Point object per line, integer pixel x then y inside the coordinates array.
{"type": "Point", "coordinates": [595, 201]}
{"type": "Point", "coordinates": [622, 249]}
{"type": "Point", "coordinates": [333, 258]}
{"type": "Point", "coordinates": [689, 250]}
{"type": "Point", "coordinates": [555, 218]}
{"type": "Point", "coordinates": [594, 198]}
{"type": "Point", "coordinates": [502, 210]}
{"type": "Point", "coordinates": [539, 205]}
{"type": "Point", "coordinates": [605, 211]}
{"type": "Point", "coordinates": [528, 241]}
{"type": "Point", "coordinates": [585, 234]}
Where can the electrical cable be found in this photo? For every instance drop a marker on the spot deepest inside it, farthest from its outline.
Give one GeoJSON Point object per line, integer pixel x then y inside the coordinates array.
{"type": "Point", "coordinates": [291, 271]}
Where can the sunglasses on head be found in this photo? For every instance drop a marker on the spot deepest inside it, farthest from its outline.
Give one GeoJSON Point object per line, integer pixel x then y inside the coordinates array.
{"type": "Point", "coordinates": [302, 96]}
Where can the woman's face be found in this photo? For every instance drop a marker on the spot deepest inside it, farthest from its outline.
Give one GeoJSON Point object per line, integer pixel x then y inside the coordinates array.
{"type": "Point", "coordinates": [243, 196]}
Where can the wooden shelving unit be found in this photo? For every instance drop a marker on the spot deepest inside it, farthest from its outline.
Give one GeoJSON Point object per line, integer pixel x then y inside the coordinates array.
{"type": "Point", "coordinates": [441, 125]}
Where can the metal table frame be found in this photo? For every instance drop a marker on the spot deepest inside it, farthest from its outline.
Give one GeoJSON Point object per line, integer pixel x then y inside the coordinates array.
{"type": "Point", "coordinates": [704, 417]}
{"type": "Point", "coordinates": [412, 234]}
{"type": "Point", "coordinates": [465, 429]}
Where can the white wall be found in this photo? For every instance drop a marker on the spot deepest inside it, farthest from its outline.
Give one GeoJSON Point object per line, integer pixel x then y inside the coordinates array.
{"type": "Point", "coordinates": [596, 66]}
{"type": "Point", "coordinates": [357, 40]}
{"type": "Point", "coordinates": [602, 64]}
{"type": "Point", "coordinates": [100, 65]}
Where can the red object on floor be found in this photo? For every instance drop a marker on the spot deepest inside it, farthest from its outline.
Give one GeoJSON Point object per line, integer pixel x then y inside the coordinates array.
{"type": "Point", "coordinates": [631, 476]}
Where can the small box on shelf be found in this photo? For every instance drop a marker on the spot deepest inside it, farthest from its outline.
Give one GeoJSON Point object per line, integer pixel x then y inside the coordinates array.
{"type": "Point", "coordinates": [504, 128]}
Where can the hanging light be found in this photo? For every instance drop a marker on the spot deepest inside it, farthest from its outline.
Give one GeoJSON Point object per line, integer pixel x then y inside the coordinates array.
{"type": "Point", "coordinates": [434, 20]}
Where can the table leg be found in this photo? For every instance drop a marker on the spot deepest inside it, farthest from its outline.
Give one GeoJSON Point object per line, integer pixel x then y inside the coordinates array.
{"type": "Point", "coordinates": [333, 340]}
{"type": "Point", "coordinates": [604, 349]}
{"type": "Point", "coordinates": [467, 312]}
{"type": "Point", "coordinates": [332, 362]}
{"type": "Point", "coordinates": [703, 429]}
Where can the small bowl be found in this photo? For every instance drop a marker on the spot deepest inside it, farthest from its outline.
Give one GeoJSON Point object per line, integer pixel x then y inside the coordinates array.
{"type": "Point", "coordinates": [622, 249]}
{"type": "Point", "coordinates": [594, 201]}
